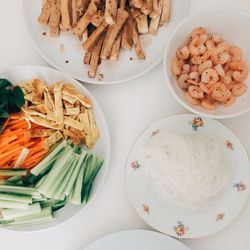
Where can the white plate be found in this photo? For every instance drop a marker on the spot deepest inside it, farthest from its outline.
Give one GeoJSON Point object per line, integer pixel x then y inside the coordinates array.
{"type": "Point", "coordinates": [173, 221]}
{"type": "Point", "coordinates": [136, 240]}
{"type": "Point", "coordinates": [101, 148]}
{"type": "Point", "coordinates": [114, 72]}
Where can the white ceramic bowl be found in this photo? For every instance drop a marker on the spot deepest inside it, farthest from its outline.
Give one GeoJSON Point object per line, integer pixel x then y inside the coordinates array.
{"type": "Point", "coordinates": [232, 26]}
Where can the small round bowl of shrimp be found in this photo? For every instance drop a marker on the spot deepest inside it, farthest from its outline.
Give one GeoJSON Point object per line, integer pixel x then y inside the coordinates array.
{"type": "Point", "coordinates": [207, 61]}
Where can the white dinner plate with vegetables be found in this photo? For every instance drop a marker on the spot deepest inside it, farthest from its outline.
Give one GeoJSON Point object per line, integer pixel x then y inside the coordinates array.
{"type": "Point", "coordinates": [187, 176]}
{"type": "Point", "coordinates": [136, 239]}
{"type": "Point", "coordinates": [54, 148]}
{"type": "Point", "coordinates": [122, 44]}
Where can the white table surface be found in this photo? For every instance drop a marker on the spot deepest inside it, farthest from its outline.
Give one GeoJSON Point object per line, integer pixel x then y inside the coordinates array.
{"type": "Point", "coordinates": [129, 108]}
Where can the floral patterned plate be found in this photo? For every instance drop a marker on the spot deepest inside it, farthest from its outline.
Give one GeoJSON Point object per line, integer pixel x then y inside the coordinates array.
{"type": "Point", "coordinates": [175, 222]}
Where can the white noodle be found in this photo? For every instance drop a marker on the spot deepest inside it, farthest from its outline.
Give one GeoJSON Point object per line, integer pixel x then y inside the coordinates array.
{"type": "Point", "coordinates": [189, 172]}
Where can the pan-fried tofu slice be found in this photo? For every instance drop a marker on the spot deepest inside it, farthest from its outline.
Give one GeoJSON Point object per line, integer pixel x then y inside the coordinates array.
{"type": "Point", "coordinates": [26, 86]}
{"type": "Point", "coordinates": [122, 4]}
{"type": "Point", "coordinates": [65, 13]}
{"type": "Point", "coordinates": [155, 12]}
{"type": "Point", "coordinates": [28, 97]}
{"type": "Point", "coordinates": [58, 102]}
{"type": "Point", "coordinates": [137, 3]}
{"type": "Point", "coordinates": [33, 112]}
{"type": "Point", "coordinates": [87, 129]}
{"type": "Point", "coordinates": [49, 99]}
{"type": "Point", "coordinates": [165, 16]}
{"type": "Point", "coordinates": [37, 91]}
{"type": "Point", "coordinates": [112, 33]}
{"type": "Point", "coordinates": [73, 123]}
{"type": "Point", "coordinates": [154, 23]}
{"type": "Point", "coordinates": [92, 39]}
{"type": "Point", "coordinates": [55, 17]}
{"type": "Point", "coordinates": [142, 23]}
{"type": "Point", "coordinates": [52, 116]}
{"type": "Point", "coordinates": [75, 13]}
{"type": "Point", "coordinates": [51, 140]}
{"type": "Point", "coordinates": [110, 11]}
{"type": "Point", "coordinates": [92, 122]}
{"type": "Point", "coordinates": [72, 111]}
{"type": "Point", "coordinates": [136, 39]}
{"type": "Point", "coordinates": [42, 121]}
{"type": "Point", "coordinates": [40, 132]}
{"type": "Point", "coordinates": [87, 57]}
{"type": "Point", "coordinates": [75, 135]}
{"type": "Point", "coordinates": [97, 18]}
{"type": "Point", "coordinates": [116, 48]}
{"type": "Point", "coordinates": [68, 98]}
{"type": "Point", "coordinates": [69, 90]}
{"type": "Point", "coordinates": [67, 104]}
{"type": "Point", "coordinates": [45, 13]}
{"type": "Point", "coordinates": [42, 108]}
{"type": "Point", "coordinates": [86, 18]}
{"type": "Point", "coordinates": [95, 56]}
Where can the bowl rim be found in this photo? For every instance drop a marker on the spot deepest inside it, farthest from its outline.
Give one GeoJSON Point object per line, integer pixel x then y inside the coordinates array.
{"type": "Point", "coordinates": [108, 146]}
{"type": "Point", "coordinates": [167, 77]}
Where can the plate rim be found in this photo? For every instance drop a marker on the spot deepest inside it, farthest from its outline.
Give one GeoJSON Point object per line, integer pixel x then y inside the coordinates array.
{"type": "Point", "coordinates": [127, 189]}
{"type": "Point", "coordinates": [109, 147]}
{"type": "Point", "coordinates": [89, 80]}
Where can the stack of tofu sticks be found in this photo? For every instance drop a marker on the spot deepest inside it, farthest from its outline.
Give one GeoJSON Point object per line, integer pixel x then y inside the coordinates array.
{"type": "Point", "coordinates": [105, 26]}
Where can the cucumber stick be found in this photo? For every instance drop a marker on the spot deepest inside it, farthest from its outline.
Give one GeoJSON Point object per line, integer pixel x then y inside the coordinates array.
{"type": "Point", "coordinates": [13, 204]}
{"type": "Point", "coordinates": [13, 172]}
{"type": "Point", "coordinates": [16, 197]}
{"type": "Point", "coordinates": [76, 196]}
{"type": "Point", "coordinates": [19, 190]}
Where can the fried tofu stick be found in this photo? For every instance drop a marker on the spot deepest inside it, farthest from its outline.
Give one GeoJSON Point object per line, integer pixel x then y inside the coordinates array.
{"type": "Point", "coordinates": [55, 17]}
{"type": "Point", "coordinates": [80, 5]}
{"type": "Point", "coordinates": [127, 41]}
{"type": "Point", "coordinates": [122, 4]}
{"type": "Point", "coordinates": [137, 3]}
{"type": "Point", "coordinates": [45, 13]}
{"type": "Point", "coordinates": [95, 58]}
{"type": "Point", "coordinates": [65, 15]}
{"type": "Point", "coordinates": [86, 18]}
{"type": "Point", "coordinates": [165, 16]}
{"type": "Point", "coordinates": [155, 13]}
{"type": "Point", "coordinates": [147, 7]}
{"type": "Point", "coordinates": [142, 24]}
{"type": "Point", "coordinates": [89, 43]}
{"type": "Point", "coordinates": [75, 14]}
{"type": "Point", "coordinates": [97, 18]}
{"type": "Point", "coordinates": [87, 57]}
{"type": "Point", "coordinates": [112, 33]}
{"type": "Point", "coordinates": [110, 11]}
{"type": "Point", "coordinates": [136, 39]}
{"type": "Point", "coordinates": [154, 23]}
{"type": "Point", "coordinates": [116, 49]}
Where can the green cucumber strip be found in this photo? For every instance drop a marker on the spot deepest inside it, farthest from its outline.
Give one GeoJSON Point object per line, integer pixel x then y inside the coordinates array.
{"type": "Point", "coordinates": [40, 167]}
{"type": "Point", "coordinates": [13, 204]}
{"type": "Point", "coordinates": [16, 197]}
{"type": "Point", "coordinates": [76, 196]}
{"type": "Point", "coordinates": [56, 171]}
{"type": "Point", "coordinates": [13, 172]}
{"type": "Point", "coordinates": [59, 193]}
{"type": "Point", "coordinates": [73, 178]}
{"type": "Point", "coordinates": [19, 190]}
{"type": "Point", "coordinates": [58, 181]}
{"type": "Point", "coordinates": [5, 222]}
{"type": "Point", "coordinates": [11, 181]}
{"type": "Point", "coordinates": [58, 205]}
{"type": "Point", "coordinates": [9, 214]}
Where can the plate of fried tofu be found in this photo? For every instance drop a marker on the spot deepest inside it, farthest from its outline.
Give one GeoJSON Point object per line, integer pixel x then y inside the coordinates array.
{"type": "Point", "coordinates": [102, 41]}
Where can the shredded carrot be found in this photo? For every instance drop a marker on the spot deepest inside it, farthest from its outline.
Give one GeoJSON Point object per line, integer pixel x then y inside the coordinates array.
{"type": "Point", "coordinates": [14, 139]}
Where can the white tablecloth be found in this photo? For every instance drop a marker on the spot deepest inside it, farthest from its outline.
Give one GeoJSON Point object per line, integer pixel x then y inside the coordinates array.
{"type": "Point", "coordinates": [129, 108]}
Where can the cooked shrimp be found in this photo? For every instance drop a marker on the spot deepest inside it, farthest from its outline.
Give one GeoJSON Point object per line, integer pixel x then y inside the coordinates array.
{"type": "Point", "coordinates": [220, 92]}
{"type": "Point", "coordinates": [182, 53]}
{"type": "Point", "coordinates": [203, 38]}
{"type": "Point", "coordinates": [204, 87]}
{"type": "Point", "coordinates": [205, 65]}
{"type": "Point", "coordinates": [176, 67]}
{"type": "Point", "coordinates": [195, 92]}
{"type": "Point", "coordinates": [216, 38]}
{"type": "Point", "coordinates": [230, 101]}
{"type": "Point", "coordinates": [239, 89]}
{"type": "Point", "coordinates": [193, 50]}
{"type": "Point", "coordinates": [207, 104]}
{"type": "Point", "coordinates": [194, 76]}
{"type": "Point", "coordinates": [201, 49]}
{"type": "Point", "coordinates": [222, 47]}
{"type": "Point", "coordinates": [194, 68]}
{"type": "Point", "coordinates": [201, 59]}
{"type": "Point", "coordinates": [220, 70]}
{"type": "Point", "coordinates": [186, 68]}
{"type": "Point", "coordinates": [182, 81]}
{"type": "Point", "coordinates": [191, 100]}
{"type": "Point", "coordinates": [219, 58]}
{"type": "Point", "coordinates": [198, 31]}
{"type": "Point", "coordinates": [193, 82]}
{"type": "Point", "coordinates": [236, 53]}
{"type": "Point", "coordinates": [240, 71]}
{"type": "Point", "coordinates": [209, 76]}
{"type": "Point", "coordinates": [227, 79]}
{"type": "Point", "coordinates": [210, 44]}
